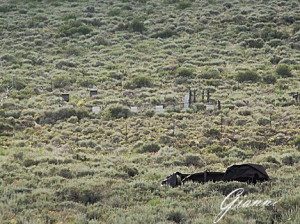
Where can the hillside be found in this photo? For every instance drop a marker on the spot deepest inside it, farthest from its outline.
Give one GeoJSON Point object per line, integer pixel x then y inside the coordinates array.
{"type": "Point", "coordinates": [101, 158]}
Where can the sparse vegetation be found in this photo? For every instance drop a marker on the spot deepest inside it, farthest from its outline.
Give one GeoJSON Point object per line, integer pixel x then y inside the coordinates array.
{"type": "Point", "coordinates": [283, 70]}
{"type": "Point", "coordinates": [247, 76]}
{"type": "Point", "coordinates": [95, 159]}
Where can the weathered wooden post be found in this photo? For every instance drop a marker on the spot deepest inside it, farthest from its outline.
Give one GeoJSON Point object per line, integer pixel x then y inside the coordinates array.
{"type": "Point", "coordinates": [126, 132]}
{"type": "Point", "coordinates": [52, 85]}
{"type": "Point", "coordinates": [208, 96]}
{"type": "Point", "coordinates": [219, 104]}
{"type": "Point", "coordinates": [173, 134]}
{"type": "Point", "coordinates": [194, 99]}
{"type": "Point", "coordinates": [190, 97]}
{"type": "Point", "coordinates": [222, 120]}
{"type": "Point", "coordinates": [13, 84]}
{"type": "Point", "coordinates": [297, 97]}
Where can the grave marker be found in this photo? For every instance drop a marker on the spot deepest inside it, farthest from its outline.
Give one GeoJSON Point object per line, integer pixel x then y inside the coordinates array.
{"type": "Point", "coordinates": [96, 110]}
{"type": "Point", "coordinates": [210, 107]}
{"type": "Point", "coordinates": [186, 101]}
{"type": "Point", "coordinates": [296, 96]}
{"type": "Point", "coordinates": [159, 109]}
{"type": "Point", "coordinates": [134, 109]}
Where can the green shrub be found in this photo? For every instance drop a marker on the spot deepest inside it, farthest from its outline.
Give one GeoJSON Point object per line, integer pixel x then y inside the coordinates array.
{"type": "Point", "coordinates": [73, 27]}
{"type": "Point", "coordinates": [275, 59]}
{"type": "Point", "coordinates": [269, 33]}
{"type": "Point", "coordinates": [7, 8]}
{"type": "Point", "coordinates": [253, 144]}
{"type": "Point", "coordinates": [211, 74]}
{"type": "Point", "coordinates": [66, 173]}
{"type": "Point", "coordinates": [245, 112]}
{"type": "Point", "coordinates": [5, 127]}
{"type": "Point", "coordinates": [30, 162]}
{"type": "Point", "coordinates": [297, 142]}
{"type": "Point", "coordinates": [87, 82]}
{"type": "Point", "coordinates": [89, 143]}
{"type": "Point", "coordinates": [131, 171]}
{"type": "Point", "coordinates": [253, 43]}
{"type": "Point", "coordinates": [167, 33]}
{"type": "Point", "coordinates": [213, 132]}
{"type": "Point", "coordinates": [288, 19]}
{"type": "Point", "coordinates": [192, 160]}
{"type": "Point", "coordinates": [184, 4]}
{"type": "Point", "coordinates": [139, 82]}
{"type": "Point", "coordinates": [117, 111]}
{"type": "Point", "coordinates": [71, 16]}
{"type": "Point", "coordinates": [137, 26]}
{"type": "Point", "coordinates": [17, 83]}
{"type": "Point", "coordinates": [263, 121]}
{"type": "Point", "coordinates": [114, 12]}
{"type": "Point", "coordinates": [150, 147]}
{"type": "Point", "coordinates": [247, 76]}
{"type": "Point", "coordinates": [51, 117]}
{"type": "Point", "coordinates": [176, 216]}
{"type": "Point", "coordinates": [65, 63]}
{"type": "Point", "coordinates": [269, 79]}
{"type": "Point", "coordinates": [81, 193]}
{"type": "Point", "coordinates": [283, 70]}
{"type": "Point", "coordinates": [185, 73]}
{"type": "Point", "coordinates": [275, 42]}
{"type": "Point", "coordinates": [62, 81]}
{"type": "Point", "coordinates": [171, 1]}
{"type": "Point", "coordinates": [289, 160]}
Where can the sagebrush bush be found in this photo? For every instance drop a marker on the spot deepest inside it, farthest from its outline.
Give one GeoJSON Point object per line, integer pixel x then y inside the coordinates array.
{"type": "Point", "coordinates": [192, 160]}
{"type": "Point", "coordinates": [131, 171]}
{"type": "Point", "coordinates": [137, 25]}
{"type": "Point", "coordinates": [139, 82]}
{"type": "Point", "coordinates": [73, 27]}
{"type": "Point", "coordinates": [283, 70]}
{"type": "Point", "coordinates": [297, 142]}
{"type": "Point", "coordinates": [7, 8]}
{"type": "Point", "coordinates": [62, 81]}
{"type": "Point", "coordinates": [185, 72]}
{"type": "Point", "coordinates": [247, 76]}
{"type": "Point", "coordinates": [5, 127]}
{"type": "Point", "coordinates": [211, 74]}
{"type": "Point", "coordinates": [263, 121]}
{"type": "Point", "coordinates": [150, 147]}
{"type": "Point", "coordinates": [253, 43]}
{"type": "Point", "coordinates": [213, 133]}
{"type": "Point", "coordinates": [70, 165]}
{"type": "Point", "coordinates": [176, 216]}
{"type": "Point", "coordinates": [83, 193]}
{"type": "Point", "coordinates": [51, 117]}
{"type": "Point", "coordinates": [167, 33]}
{"type": "Point", "coordinates": [118, 111]}
{"type": "Point", "coordinates": [269, 79]}
{"type": "Point", "coordinates": [183, 4]}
